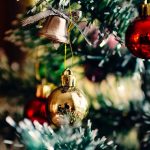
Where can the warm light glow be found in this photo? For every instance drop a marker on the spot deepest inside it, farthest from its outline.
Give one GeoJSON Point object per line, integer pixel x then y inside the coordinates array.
{"type": "Point", "coordinates": [135, 38]}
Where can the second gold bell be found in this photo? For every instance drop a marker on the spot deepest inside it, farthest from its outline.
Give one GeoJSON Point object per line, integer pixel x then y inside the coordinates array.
{"type": "Point", "coordinates": [67, 104]}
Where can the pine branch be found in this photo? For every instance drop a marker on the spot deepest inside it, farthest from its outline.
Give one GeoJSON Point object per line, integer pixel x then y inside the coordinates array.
{"type": "Point", "coordinates": [36, 136]}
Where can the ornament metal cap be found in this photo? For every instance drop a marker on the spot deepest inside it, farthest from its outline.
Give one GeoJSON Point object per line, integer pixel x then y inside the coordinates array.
{"type": "Point", "coordinates": [145, 8]}
{"type": "Point", "coordinates": [68, 79]}
{"type": "Point", "coordinates": [55, 29]}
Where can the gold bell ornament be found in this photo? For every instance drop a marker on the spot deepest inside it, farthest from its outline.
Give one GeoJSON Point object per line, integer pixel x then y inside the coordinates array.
{"type": "Point", "coordinates": [67, 104]}
{"type": "Point", "coordinates": [55, 28]}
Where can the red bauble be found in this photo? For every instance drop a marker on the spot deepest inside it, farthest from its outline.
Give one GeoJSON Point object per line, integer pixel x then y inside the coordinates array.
{"type": "Point", "coordinates": [36, 110]}
{"type": "Point", "coordinates": [138, 37]}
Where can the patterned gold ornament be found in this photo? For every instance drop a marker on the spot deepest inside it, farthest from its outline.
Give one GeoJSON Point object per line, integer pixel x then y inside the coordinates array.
{"type": "Point", "coordinates": [67, 104]}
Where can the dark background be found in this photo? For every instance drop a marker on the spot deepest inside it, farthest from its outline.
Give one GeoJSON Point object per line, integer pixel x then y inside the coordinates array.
{"type": "Point", "coordinates": [8, 11]}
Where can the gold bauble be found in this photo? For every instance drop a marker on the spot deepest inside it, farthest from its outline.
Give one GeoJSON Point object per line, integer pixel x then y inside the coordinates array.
{"type": "Point", "coordinates": [67, 104]}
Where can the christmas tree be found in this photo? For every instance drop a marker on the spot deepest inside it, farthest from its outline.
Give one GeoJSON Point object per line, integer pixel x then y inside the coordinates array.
{"type": "Point", "coordinates": [80, 80]}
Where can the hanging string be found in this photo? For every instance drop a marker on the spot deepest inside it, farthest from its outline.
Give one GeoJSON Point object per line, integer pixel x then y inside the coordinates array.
{"type": "Point", "coordinates": [69, 29]}
{"type": "Point", "coordinates": [70, 11]}
{"type": "Point", "coordinates": [65, 57]}
{"type": "Point", "coordinates": [72, 56]}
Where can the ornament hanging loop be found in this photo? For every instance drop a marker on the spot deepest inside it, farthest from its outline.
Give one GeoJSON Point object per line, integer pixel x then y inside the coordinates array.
{"type": "Point", "coordinates": [68, 79]}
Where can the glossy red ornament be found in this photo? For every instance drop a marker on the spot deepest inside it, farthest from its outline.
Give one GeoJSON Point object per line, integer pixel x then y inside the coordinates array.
{"type": "Point", "coordinates": [138, 34]}
{"type": "Point", "coordinates": [35, 110]}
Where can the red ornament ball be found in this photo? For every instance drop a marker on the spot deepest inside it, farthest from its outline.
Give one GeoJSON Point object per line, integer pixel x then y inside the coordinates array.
{"type": "Point", "coordinates": [138, 37]}
{"type": "Point", "coordinates": [35, 110]}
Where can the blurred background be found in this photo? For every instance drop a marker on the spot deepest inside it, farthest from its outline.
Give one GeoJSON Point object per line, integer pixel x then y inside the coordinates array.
{"type": "Point", "coordinates": [13, 55]}
{"type": "Point", "coordinates": [115, 82]}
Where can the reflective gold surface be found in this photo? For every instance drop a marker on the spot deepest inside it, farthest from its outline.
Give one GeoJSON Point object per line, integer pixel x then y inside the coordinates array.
{"type": "Point", "coordinates": [67, 78]}
{"type": "Point", "coordinates": [67, 104]}
{"type": "Point", "coordinates": [145, 9]}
